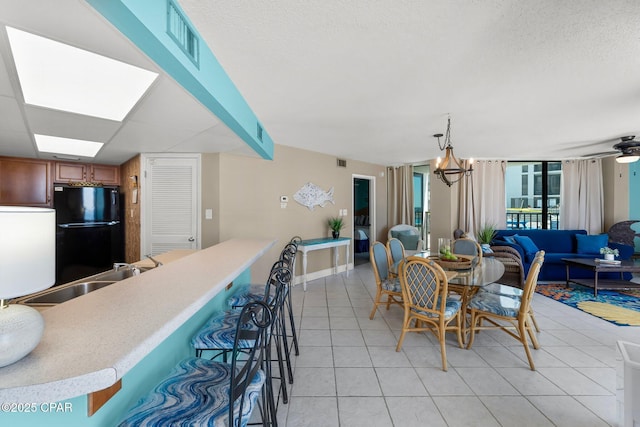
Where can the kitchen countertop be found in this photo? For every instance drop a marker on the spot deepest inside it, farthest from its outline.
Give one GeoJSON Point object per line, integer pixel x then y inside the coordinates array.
{"type": "Point", "coordinates": [92, 341]}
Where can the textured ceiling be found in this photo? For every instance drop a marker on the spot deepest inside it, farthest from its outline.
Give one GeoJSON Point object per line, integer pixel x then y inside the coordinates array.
{"type": "Point", "coordinates": [374, 80]}
{"type": "Point", "coordinates": [366, 80]}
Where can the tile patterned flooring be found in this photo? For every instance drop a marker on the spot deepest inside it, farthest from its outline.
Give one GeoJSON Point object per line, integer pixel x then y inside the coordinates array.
{"type": "Point", "coordinates": [349, 374]}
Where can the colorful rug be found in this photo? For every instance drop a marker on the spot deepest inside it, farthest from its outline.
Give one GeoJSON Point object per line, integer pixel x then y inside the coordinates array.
{"type": "Point", "coordinates": [618, 307]}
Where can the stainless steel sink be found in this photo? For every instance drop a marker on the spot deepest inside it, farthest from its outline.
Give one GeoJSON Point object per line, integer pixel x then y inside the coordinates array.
{"type": "Point", "coordinates": [120, 274]}
{"type": "Point", "coordinates": [64, 293]}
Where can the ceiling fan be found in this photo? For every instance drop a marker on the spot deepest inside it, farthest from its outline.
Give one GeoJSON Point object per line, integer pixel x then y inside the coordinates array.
{"type": "Point", "coordinates": [628, 148]}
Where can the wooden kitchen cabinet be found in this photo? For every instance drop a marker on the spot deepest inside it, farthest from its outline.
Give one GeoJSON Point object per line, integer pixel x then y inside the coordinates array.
{"type": "Point", "coordinates": [25, 182]}
{"type": "Point", "coordinates": [87, 172]}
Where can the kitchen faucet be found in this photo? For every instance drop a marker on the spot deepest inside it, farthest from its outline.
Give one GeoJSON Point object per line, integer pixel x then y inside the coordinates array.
{"type": "Point", "coordinates": [155, 261]}
{"type": "Point", "coordinates": [118, 265]}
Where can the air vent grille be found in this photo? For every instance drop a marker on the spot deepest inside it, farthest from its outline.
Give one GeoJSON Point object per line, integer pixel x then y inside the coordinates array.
{"type": "Point", "coordinates": [260, 132]}
{"type": "Point", "coordinates": [342, 163]}
{"type": "Point", "coordinates": [182, 33]}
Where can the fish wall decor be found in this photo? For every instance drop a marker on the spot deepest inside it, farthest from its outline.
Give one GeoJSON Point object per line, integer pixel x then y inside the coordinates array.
{"type": "Point", "coordinates": [310, 195]}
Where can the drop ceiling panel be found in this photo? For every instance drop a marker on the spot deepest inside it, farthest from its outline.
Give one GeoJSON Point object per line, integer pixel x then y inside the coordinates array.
{"type": "Point", "coordinates": [6, 88]}
{"type": "Point", "coordinates": [217, 139]}
{"type": "Point", "coordinates": [148, 138]}
{"type": "Point", "coordinates": [10, 116]}
{"type": "Point", "coordinates": [68, 125]}
{"type": "Point", "coordinates": [160, 107]}
{"type": "Point", "coordinates": [16, 144]}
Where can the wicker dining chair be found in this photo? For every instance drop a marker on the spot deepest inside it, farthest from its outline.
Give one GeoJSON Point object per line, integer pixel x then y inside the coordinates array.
{"type": "Point", "coordinates": [386, 285]}
{"type": "Point", "coordinates": [427, 303]}
{"type": "Point", "coordinates": [508, 313]}
{"type": "Point", "coordinates": [396, 252]}
{"type": "Point", "coordinates": [466, 246]}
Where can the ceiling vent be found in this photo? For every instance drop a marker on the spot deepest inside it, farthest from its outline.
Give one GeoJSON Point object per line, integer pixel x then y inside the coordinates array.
{"type": "Point", "coordinates": [260, 132]}
{"type": "Point", "coordinates": [182, 33]}
{"type": "Point", "coordinates": [342, 163]}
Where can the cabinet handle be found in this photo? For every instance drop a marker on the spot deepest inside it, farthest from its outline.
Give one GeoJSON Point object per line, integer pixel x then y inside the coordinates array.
{"type": "Point", "coordinates": [191, 239]}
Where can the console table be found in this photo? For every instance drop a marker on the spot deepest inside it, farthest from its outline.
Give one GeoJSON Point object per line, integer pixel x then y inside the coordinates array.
{"type": "Point", "coordinates": [323, 243]}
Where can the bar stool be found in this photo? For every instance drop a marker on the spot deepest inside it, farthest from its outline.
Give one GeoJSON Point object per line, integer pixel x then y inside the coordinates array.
{"type": "Point", "coordinates": [201, 392]}
{"type": "Point", "coordinates": [218, 333]}
{"type": "Point", "coordinates": [288, 255]}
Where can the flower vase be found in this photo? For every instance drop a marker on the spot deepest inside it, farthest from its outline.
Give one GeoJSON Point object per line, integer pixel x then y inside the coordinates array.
{"type": "Point", "coordinates": [335, 234]}
{"type": "Point", "coordinates": [609, 257]}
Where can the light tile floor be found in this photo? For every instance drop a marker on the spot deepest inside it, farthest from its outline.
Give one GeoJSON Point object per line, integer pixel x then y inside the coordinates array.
{"type": "Point", "coordinates": [349, 374]}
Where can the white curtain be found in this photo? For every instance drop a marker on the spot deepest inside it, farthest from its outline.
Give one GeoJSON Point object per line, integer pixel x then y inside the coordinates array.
{"type": "Point", "coordinates": [482, 196]}
{"type": "Point", "coordinates": [400, 195]}
{"type": "Point", "coordinates": [581, 196]}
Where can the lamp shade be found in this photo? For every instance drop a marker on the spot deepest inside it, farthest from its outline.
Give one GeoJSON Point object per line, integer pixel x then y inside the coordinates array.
{"type": "Point", "coordinates": [627, 158]}
{"type": "Point", "coordinates": [27, 250]}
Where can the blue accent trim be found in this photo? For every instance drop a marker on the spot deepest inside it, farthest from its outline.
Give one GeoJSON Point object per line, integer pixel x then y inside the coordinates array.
{"type": "Point", "coordinates": [634, 190]}
{"type": "Point", "coordinates": [144, 23]}
{"type": "Point", "coordinates": [322, 240]}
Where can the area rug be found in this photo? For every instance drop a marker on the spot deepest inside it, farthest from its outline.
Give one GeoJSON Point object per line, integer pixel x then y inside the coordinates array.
{"type": "Point", "coordinates": [618, 307]}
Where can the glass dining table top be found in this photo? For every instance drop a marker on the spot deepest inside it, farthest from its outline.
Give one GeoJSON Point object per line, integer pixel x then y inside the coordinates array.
{"type": "Point", "coordinates": [489, 271]}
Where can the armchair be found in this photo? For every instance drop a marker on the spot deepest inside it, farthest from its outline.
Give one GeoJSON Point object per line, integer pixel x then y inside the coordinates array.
{"type": "Point", "coordinates": [513, 268]}
{"type": "Point", "coordinates": [409, 236]}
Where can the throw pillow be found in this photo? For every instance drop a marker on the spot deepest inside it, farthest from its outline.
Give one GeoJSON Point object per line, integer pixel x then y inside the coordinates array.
{"type": "Point", "coordinates": [510, 239]}
{"type": "Point", "coordinates": [486, 249]}
{"type": "Point", "coordinates": [527, 244]}
{"type": "Point", "coordinates": [409, 241]}
{"type": "Point", "coordinates": [591, 244]}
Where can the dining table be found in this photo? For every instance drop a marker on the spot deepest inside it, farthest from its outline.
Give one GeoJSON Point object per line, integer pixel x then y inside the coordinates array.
{"type": "Point", "coordinates": [489, 271]}
{"type": "Point", "coordinates": [467, 280]}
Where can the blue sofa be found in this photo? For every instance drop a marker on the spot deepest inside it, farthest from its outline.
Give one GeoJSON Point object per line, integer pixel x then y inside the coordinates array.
{"type": "Point", "coordinates": [559, 244]}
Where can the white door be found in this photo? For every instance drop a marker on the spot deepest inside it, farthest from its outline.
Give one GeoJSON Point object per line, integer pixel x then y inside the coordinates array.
{"type": "Point", "coordinates": [170, 209]}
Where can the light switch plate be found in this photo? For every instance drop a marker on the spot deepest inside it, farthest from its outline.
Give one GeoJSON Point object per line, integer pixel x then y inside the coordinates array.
{"type": "Point", "coordinates": [208, 213]}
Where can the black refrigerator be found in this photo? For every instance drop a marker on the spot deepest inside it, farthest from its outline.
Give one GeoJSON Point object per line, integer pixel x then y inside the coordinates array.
{"type": "Point", "coordinates": [89, 237]}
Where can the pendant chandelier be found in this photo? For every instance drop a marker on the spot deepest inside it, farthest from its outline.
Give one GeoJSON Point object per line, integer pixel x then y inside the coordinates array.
{"type": "Point", "coordinates": [451, 170]}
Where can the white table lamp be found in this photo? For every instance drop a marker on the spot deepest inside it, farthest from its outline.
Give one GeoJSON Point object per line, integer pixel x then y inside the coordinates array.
{"type": "Point", "coordinates": [27, 265]}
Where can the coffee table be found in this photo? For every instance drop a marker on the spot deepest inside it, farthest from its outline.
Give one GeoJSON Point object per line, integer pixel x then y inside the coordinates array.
{"type": "Point", "coordinates": [626, 266]}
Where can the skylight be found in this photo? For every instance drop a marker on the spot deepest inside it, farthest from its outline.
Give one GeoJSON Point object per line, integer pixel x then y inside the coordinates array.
{"type": "Point", "coordinates": [62, 77]}
{"type": "Point", "coordinates": [74, 147]}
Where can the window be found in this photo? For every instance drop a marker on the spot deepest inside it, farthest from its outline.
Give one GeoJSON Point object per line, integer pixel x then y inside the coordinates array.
{"type": "Point", "coordinates": [525, 184]}
{"type": "Point", "coordinates": [533, 206]}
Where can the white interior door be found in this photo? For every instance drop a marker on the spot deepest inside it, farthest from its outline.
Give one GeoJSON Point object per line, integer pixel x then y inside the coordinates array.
{"type": "Point", "coordinates": [171, 203]}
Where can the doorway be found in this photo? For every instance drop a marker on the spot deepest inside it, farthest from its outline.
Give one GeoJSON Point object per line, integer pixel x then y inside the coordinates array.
{"type": "Point", "coordinates": [364, 213]}
{"type": "Point", "coordinates": [170, 212]}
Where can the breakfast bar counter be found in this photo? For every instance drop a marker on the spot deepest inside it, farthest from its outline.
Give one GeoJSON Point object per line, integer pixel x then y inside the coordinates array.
{"type": "Point", "coordinates": [91, 342]}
